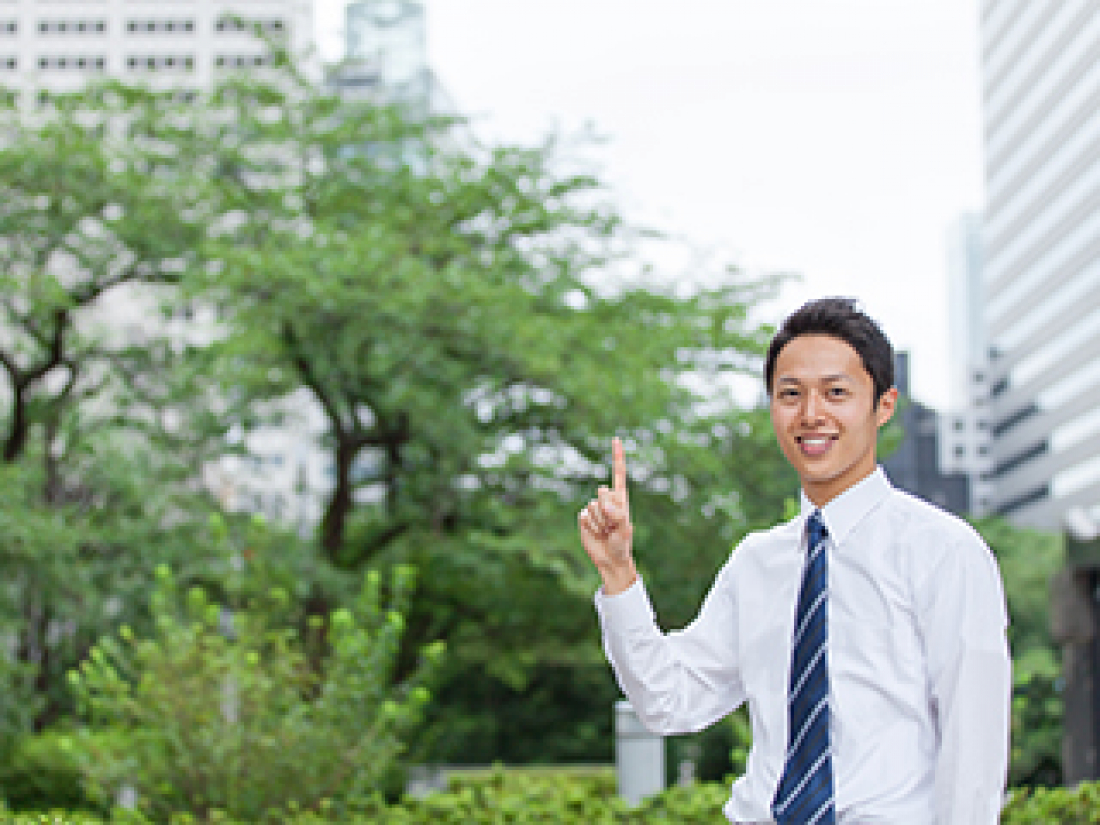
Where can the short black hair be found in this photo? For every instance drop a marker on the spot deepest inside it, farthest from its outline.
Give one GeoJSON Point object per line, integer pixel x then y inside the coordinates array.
{"type": "Point", "coordinates": [840, 318]}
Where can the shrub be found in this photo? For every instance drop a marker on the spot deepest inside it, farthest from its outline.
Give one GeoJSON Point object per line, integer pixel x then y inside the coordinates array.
{"type": "Point", "coordinates": [1046, 806]}
{"type": "Point", "coordinates": [230, 713]}
{"type": "Point", "coordinates": [43, 772]}
{"type": "Point", "coordinates": [561, 798]}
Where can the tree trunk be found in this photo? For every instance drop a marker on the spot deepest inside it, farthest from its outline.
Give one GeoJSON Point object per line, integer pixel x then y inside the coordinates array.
{"type": "Point", "coordinates": [334, 523]}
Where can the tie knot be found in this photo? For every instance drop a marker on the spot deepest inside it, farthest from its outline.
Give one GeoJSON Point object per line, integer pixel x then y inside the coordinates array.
{"type": "Point", "coordinates": [816, 529]}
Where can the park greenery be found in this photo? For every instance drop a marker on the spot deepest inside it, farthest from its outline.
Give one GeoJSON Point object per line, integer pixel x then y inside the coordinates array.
{"type": "Point", "coordinates": [473, 323]}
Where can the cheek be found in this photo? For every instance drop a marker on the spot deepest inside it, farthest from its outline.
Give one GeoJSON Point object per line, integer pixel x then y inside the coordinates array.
{"type": "Point", "coordinates": [781, 418]}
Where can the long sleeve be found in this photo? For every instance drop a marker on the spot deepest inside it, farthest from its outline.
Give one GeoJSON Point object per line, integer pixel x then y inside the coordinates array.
{"type": "Point", "coordinates": [963, 620]}
{"type": "Point", "coordinates": [680, 681]}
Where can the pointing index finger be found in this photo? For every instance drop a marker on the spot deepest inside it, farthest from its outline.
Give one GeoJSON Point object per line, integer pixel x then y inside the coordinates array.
{"type": "Point", "coordinates": [618, 466]}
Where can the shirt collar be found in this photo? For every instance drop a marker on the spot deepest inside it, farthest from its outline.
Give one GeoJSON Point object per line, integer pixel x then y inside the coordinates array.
{"type": "Point", "coordinates": [843, 513]}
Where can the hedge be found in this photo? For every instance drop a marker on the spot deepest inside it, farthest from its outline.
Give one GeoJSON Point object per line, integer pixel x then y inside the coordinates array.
{"type": "Point", "coordinates": [535, 798]}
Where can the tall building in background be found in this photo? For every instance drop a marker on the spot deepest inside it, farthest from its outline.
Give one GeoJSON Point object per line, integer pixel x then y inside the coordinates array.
{"type": "Point", "coordinates": [386, 56]}
{"type": "Point", "coordinates": [1040, 67]}
{"type": "Point", "coordinates": [964, 429]}
{"type": "Point", "coordinates": [58, 45]}
{"type": "Point", "coordinates": [915, 466]}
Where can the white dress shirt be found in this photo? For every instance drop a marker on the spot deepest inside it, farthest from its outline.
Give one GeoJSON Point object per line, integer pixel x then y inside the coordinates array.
{"type": "Point", "coordinates": [919, 668]}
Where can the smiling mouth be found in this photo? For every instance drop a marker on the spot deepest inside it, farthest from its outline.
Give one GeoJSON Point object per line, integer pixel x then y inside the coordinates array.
{"type": "Point", "coordinates": [815, 444]}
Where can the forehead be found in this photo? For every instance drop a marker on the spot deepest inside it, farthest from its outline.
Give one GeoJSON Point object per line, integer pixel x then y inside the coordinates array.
{"type": "Point", "coordinates": [819, 357]}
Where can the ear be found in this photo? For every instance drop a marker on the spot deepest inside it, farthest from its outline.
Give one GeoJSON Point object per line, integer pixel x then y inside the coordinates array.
{"type": "Point", "coordinates": [887, 403]}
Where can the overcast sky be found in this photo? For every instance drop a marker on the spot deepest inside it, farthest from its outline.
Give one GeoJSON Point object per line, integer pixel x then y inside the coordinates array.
{"type": "Point", "coordinates": [834, 138]}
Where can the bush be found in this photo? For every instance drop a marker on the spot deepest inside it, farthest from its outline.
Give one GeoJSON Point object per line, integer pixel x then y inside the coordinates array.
{"type": "Point", "coordinates": [235, 715]}
{"type": "Point", "coordinates": [564, 798]}
{"type": "Point", "coordinates": [43, 772]}
{"type": "Point", "coordinates": [1044, 806]}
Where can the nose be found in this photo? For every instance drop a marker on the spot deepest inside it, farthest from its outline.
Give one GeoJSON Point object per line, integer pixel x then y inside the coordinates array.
{"type": "Point", "coordinates": [811, 407]}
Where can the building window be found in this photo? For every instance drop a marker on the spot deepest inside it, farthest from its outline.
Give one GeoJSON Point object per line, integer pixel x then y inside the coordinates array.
{"type": "Point", "coordinates": [160, 26]}
{"type": "Point", "coordinates": [1033, 496]}
{"type": "Point", "coordinates": [68, 62]}
{"type": "Point", "coordinates": [10, 27]}
{"type": "Point", "coordinates": [1040, 448]}
{"type": "Point", "coordinates": [9, 63]}
{"type": "Point", "coordinates": [1014, 418]}
{"type": "Point", "coordinates": [236, 24]}
{"type": "Point", "coordinates": [163, 62]}
{"type": "Point", "coordinates": [239, 61]}
{"type": "Point", "coordinates": [72, 26]}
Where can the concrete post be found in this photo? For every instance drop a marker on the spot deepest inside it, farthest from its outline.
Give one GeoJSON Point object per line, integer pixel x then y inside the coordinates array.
{"type": "Point", "coordinates": [639, 756]}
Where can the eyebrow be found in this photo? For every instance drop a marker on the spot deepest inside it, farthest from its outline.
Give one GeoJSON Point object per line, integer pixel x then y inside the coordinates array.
{"type": "Point", "coordinates": [825, 379]}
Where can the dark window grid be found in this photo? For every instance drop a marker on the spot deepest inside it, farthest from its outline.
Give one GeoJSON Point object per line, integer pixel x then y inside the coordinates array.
{"type": "Point", "coordinates": [227, 24]}
{"type": "Point", "coordinates": [67, 26]}
{"type": "Point", "coordinates": [154, 63]}
{"type": "Point", "coordinates": [80, 62]}
{"type": "Point", "coordinates": [239, 61]}
{"type": "Point", "coordinates": [157, 26]}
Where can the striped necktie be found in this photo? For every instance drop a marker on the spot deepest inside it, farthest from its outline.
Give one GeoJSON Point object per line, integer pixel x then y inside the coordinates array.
{"type": "Point", "coordinates": [805, 792]}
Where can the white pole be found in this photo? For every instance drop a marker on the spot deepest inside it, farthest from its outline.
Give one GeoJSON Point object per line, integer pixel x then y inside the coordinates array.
{"type": "Point", "coordinates": [639, 756]}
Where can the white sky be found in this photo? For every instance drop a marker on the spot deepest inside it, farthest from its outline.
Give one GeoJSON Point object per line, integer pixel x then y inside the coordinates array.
{"type": "Point", "coordinates": [837, 139]}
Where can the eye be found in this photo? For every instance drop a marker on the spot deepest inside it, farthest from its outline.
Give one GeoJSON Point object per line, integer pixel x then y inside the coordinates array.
{"type": "Point", "coordinates": [838, 392]}
{"type": "Point", "coordinates": [788, 394]}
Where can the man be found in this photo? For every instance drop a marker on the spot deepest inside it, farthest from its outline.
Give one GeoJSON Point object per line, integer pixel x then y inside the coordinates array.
{"type": "Point", "coordinates": [867, 635]}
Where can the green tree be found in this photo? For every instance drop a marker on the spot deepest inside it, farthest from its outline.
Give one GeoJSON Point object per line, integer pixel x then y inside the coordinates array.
{"type": "Point", "coordinates": [459, 316]}
{"type": "Point", "coordinates": [1029, 559]}
{"type": "Point", "coordinates": [104, 414]}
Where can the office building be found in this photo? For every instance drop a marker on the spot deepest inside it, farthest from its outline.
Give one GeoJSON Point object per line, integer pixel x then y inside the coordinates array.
{"type": "Point", "coordinates": [58, 45]}
{"type": "Point", "coordinates": [1040, 69]}
{"type": "Point", "coordinates": [386, 57]}
{"type": "Point", "coordinates": [964, 427]}
{"type": "Point", "coordinates": [914, 466]}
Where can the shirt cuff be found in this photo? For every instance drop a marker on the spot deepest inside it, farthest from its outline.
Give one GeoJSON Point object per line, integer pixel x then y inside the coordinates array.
{"type": "Point", "coordinates": [626, 610]}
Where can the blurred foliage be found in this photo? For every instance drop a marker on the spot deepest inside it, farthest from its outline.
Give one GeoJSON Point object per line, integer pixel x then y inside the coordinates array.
{"type": "Point", "coordinates": [473, 325]}
{"type": "Point", "coordinates": [1046, 806]}
{"type": "Point", "coordinates": [43, 772]}
{"type": "Point", "coordinates": [224, 709]}
{"type": "Point", "coordinates": [569, 798]}
{"type": "Point", "coordinates": [104, 415]}
{"type": "Point", "coordinates": [471, 322]}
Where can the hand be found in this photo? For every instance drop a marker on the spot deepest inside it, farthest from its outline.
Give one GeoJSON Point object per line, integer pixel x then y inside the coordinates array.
{"type": "Point", "coordinates": [606, 531]}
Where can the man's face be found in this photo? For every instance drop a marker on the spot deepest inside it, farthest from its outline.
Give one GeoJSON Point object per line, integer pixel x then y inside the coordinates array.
{"type": "Point", "coordinates": [825, 415]}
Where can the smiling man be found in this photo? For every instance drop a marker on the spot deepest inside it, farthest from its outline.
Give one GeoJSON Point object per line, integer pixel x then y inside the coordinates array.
{"type": "Point", "coordinates": [867, 635]}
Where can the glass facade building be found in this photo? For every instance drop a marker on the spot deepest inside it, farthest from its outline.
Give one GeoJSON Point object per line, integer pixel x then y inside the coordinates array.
{"type": "Point", "coordinates": [1040, 68]}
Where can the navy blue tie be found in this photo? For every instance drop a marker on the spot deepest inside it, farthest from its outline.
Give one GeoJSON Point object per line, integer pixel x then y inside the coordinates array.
{"type": "Point", "coordinates": [805, 792]}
